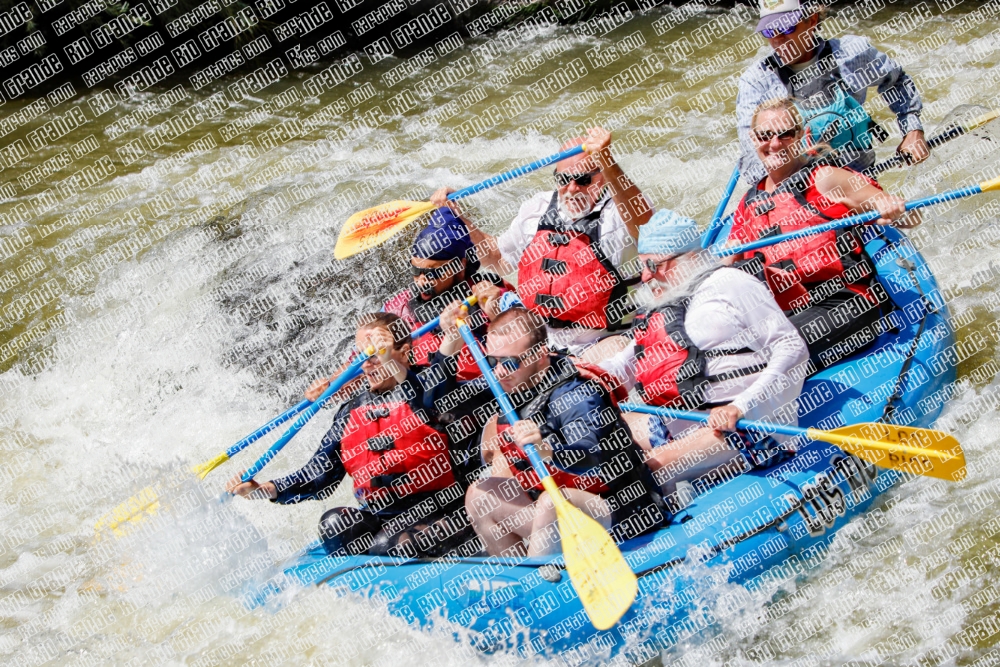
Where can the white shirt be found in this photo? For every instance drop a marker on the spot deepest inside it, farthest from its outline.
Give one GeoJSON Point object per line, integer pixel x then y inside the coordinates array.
{"type": "Point", "coordinates": [731, 310]}
{"type": "Point", "coordinates": [616, 242]}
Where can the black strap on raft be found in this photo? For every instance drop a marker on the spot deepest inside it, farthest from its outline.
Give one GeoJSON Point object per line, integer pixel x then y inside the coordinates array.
{"type": "Point", "coordinates": [892, 403]}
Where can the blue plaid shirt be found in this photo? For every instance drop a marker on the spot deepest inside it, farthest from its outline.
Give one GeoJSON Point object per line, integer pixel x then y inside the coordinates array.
{"type": "Point", "coordinates": [861, 66]}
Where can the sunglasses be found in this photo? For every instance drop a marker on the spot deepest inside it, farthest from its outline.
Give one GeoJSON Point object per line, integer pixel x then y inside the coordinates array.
{"type": "Point", "coordinates": [509, 363]}
{"type": "Point", "coordinates": [582, 180]}
{"type": "Point", "coordinates": [446, 271]}
{"type": "Point", "coordinates": [771, 33]}
{"type": "Point", "coordinates": [654, 266]}
{"type": "Point", "coordinates": [766, 136]}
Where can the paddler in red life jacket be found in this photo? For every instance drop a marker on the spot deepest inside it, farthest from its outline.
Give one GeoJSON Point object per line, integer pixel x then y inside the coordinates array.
{"type": "Point", "coordinates": [568, 245]}
{"type": "Point", "coordinates": [571, 417]}
{"type": "Point", "coordinates": [826, 281]}
{"type": "Point", "coordinates": [445, 269]}
{"type": "Point", "coordinates": [713, 338]}
{"type": "Point", "coordinates": [387, 439]}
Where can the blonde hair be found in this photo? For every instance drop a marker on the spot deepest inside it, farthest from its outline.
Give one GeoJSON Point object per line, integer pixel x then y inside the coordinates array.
{"type": "Point", "coordinates": [816, 151]}
{"type": "Point", "coordinates": [786, 103]}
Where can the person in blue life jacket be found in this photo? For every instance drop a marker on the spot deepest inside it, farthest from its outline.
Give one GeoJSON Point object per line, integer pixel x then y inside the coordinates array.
{"type": "Point", "coordinates": [569, 246]}
{"type": "Point", "coordinates": [388, 440]}
{"type": "Point", "coordinates": [569, 411]}
{"type": "Point", "coordinates": [445, 268]}
{"type": "Point", "coordinates": [709, 337]}
{"type": "Point", "coordinates": [829, 80]}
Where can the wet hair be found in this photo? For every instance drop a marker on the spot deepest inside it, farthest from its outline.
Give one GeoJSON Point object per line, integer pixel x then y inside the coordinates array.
{"type": "Point", "coordinates": [391, 322]}
{"type": "Point", "coordinates": [521, 321]}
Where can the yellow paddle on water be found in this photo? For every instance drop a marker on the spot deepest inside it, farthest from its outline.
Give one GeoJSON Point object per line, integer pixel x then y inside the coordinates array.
{"type": "Point", "coordinates": [599, 573]}
{"type": "Point", "coordinates": [371, 227]}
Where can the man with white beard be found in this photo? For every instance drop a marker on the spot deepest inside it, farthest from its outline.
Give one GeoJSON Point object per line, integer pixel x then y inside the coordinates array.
{"type": "Point", "coordinates": [569, 246]}
{"type": "Point", "coordinates": [712, 338]}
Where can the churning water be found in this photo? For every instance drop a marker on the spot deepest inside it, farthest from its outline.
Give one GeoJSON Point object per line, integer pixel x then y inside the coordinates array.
{"type": "Point", "coordinates": [146, 331]}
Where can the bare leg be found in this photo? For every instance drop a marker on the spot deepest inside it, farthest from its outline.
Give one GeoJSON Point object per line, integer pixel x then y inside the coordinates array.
{"type": "Point", "coordinates": [501, 514]}
{"type": "Point", "coordinates": [692, 456]}
{"type": "Point", "coordinates": [638, 423]}
{"type": "Point", "coordinates": [605, 349]}
{"type": "Point", "coordinates": [544, 530]}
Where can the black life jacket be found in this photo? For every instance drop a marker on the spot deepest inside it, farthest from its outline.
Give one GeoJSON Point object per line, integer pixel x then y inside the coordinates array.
{"type": "Point", "coordinates": [620, 462]}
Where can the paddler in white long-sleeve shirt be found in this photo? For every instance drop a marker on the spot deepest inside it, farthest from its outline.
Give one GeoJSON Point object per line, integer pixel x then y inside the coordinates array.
{"type": "Point", "coordinates": [712, 338]}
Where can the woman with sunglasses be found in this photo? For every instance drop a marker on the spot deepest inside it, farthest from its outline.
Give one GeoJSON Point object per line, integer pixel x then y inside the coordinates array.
{"type": "Point", "coordinates": [713, 338]}
{"type": "Point", "coordinates": [825, 281]}
{"type": "Point", "coordinates": [568, 245]}
{"type": "Point", "coordinates": [829, 80]}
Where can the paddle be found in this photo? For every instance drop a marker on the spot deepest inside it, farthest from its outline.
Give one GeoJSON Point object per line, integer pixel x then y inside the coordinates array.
{"type": "Point", "coordinates": [714, 227]}
{"type": "Point", "coordinates": [203, 469]}
{"type": "Point", "coordinates": [346, 376]}
{"type": "Point", "coordinates": [860, 218]}
{"type": "Point", "coordinates": [351, 372]}
{"type": "Point", "coordinates": [147, 500]}
{"type": "Point", "coordinates": [605, 583]}
{"type": "Point", "coordinates": [918, 451]}
{"type": "Point", "coordinates": [953, 131]}
{"type": "Point", "coordinates": [371, 227]}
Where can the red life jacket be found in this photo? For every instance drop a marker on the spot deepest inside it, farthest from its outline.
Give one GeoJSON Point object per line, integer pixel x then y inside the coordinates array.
{"type": "Point", "coordinates": [387, 447]}
{"type": "Point", "coordinates": [670, 370]}
{"type": "Point", "coordinates": [564, 276]}
{"type": "Point", "coordinates": [521, 468]}
{"type": "Point", "coordinates": [797, 204]}
{"type": "Point", "coordinates": [426, 345]}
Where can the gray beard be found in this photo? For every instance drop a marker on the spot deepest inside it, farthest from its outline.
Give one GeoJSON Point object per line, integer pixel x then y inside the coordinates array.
{"type": "Point", "coordinates": [563, 211]}
{"type": "Point", "coordinates": [686, 279]}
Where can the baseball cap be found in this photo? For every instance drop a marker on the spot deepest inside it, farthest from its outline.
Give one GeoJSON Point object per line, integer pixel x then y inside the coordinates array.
{"type": "Point", "coordinates": [779, 14]}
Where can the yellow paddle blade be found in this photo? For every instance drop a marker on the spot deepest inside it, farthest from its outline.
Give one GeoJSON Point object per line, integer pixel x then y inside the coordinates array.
{"type": "Point", "coordinates": [982, 120]}
{"type": "Point", "coordinates": [208, 466]}
{"type": "Point", "coordinates": [986, 186]}
{"type": "Point", "coordinates": [919, 451]}
{"type": "Point", "coordinates": [373, 226]}
{"type": "Point", "coordinates": [129, 513]}
{"type": "Point", "coordinates": [605, 583]}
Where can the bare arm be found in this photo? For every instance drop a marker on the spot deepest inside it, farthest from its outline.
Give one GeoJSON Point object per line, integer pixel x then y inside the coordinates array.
{"type": "Point", "coordinates": [856, 193]}
{"type": "Point", "coordinates": [628, 199]}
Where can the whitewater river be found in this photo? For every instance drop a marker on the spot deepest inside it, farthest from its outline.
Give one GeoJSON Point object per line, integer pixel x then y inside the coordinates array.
{"type": "Point", "coordinates": [155, 318]}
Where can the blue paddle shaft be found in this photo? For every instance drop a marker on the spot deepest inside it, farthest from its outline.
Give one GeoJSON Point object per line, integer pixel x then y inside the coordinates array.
{"type": "Point", "coordinates": [349, 374]}
{"type": "Point", "coordinates": [702, 417]}
{"type": "Point", "coordinates": [267, 428]}
{"type": "Point", "coordinates": [858, 219]}
{"type": "Point", "coordinates": [505, 405]}
{"type": "Point", "coordinates": [715, 227]}
{"type": "Point", "coordinates": [514, 173]}
{"type": "Point", "coordinates": [311, 408]}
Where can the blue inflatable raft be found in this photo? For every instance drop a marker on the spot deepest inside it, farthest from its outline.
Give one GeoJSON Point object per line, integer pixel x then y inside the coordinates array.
{"type": "Point", "coordinates": [761, 526]}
